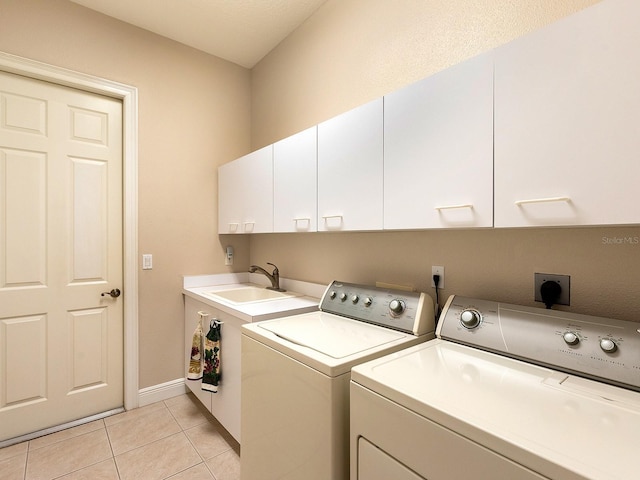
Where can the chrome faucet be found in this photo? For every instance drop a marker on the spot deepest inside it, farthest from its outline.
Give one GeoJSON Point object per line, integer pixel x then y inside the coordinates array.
{"type": "Point", "coordinates": [273, 277]}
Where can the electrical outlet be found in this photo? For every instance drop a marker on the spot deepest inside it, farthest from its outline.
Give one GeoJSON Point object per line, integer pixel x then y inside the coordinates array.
{"type": "Point", "coordinates": [435, 270]}
{"type": "Point", "coordinates": [228, 256]}
{"type": "Point", "coordinates": [563, 280]}
{"type": "Point", "coordinates": [147, 261]}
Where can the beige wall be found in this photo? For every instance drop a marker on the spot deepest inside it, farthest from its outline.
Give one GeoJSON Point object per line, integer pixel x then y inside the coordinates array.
{"type": "Point", "coordinates": [193, 115]}
{"type": "Point", "coordinates": [352, 51]}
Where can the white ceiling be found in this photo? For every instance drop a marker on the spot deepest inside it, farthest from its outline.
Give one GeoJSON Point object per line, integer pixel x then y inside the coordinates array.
{"type": "Point", "coordinates": [241, 31]}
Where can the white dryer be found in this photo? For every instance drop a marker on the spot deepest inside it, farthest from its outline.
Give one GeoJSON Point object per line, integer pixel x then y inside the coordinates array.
{"type": "Point", "coordinates": [504, 392]}
{"type": "Point", "coordinates": [296, 372]}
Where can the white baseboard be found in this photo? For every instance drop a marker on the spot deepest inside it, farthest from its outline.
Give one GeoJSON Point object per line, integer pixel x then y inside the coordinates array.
{"type": "Point", "coordinates": [162, 391]}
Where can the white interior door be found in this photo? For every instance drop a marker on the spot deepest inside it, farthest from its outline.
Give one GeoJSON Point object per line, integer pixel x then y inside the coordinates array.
{"type": "Point", "coordinates": [61, 342]}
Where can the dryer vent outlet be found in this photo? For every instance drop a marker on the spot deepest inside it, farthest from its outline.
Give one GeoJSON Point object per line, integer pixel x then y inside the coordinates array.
{"type": "Point", "coordinates": [563, 280]}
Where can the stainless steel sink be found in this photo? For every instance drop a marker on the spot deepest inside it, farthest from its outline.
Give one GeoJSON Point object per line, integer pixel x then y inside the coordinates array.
{"type": "Point", "coordinates": [251, 294]}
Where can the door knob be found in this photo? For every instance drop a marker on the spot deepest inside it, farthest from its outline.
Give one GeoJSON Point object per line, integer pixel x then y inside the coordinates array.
{"type": "Point", "coordinates": [115, 293]}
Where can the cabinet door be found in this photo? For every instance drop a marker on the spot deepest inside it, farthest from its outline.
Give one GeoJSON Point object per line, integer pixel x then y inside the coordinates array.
{"type": "Point", "coordinates": [191, 319]}
{"type": "Point", "coordinates": [295, 181]}
{"type": "Point", "coordinates": [438, 150]}
{"type": "Point", "coordinates": [245, 193]}
{"type": "Point", "coordinates": [258, 191]}
{"type": "Point", "coordinates": [230, 198]}
{"type": "Point", "coordinates": [350, 170]}
{"type": "Point", "coordinates": [567, 121]}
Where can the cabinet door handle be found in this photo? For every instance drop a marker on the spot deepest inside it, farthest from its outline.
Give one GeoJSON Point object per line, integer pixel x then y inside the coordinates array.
{"type": "Point", "coordinates": [331, 223]}
{"type": "Point", "coordinates": [543, 200]}
{"type": "Point", "coordinates": [250, 229]}
{"type": "Point", "coordinates": [233, 227]}
{"type": "Point", "coordinates": [451, 207]}
{"type": "Point", "coordinates": [302, 219]}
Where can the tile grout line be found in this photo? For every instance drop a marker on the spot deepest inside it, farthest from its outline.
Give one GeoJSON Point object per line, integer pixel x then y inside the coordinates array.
{"type": "Point", "coordinates": [26, 460]}
{"type": "Point", "coordinates": [113, 455]}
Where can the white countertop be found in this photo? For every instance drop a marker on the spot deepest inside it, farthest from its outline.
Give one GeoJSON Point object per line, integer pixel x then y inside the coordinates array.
{"type": "Point", "coordinates": [198, 286]}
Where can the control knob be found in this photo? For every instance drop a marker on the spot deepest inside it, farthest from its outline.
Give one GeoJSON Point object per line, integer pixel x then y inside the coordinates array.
{"type": "Point", "coordinates": [470, 319]}
{"type": "Point", "coordinates": [368, 301]}
{"type": "Point", "coordinates": [608, 345]}
{"type": "Point", "coordinates": [354, 299]}
{"type": "Point", "coordinates": [570, 338]}
{"type": "Point", "coordinates": [396, 307]}
{"type": "Point", "coordinates": [332, 294]}
{"type": "Point", "coordinates": [343, 296]}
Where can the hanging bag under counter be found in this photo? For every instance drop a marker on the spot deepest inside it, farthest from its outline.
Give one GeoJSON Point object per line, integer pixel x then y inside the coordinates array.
{"type": "Point", "coordinates": [195, 360]}
{"type": "Point", "coordinates": [204, 362]}
{"type": "Point", "coordinates": [212, 372]}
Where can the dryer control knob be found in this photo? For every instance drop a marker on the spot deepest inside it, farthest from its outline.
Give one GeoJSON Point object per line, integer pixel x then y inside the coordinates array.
{"type": "Point", "coordinates": [396, 307]}
{"type": "Point", "coordinates": [368, 301]}
{"type": "Point", "coordinates": [470, 319]}
{"type": "Point", "coordinates": [570, 338]}
{"type": "Point", "coordinates": [354, 299]}
{"type": "Point", "coordinates": [608, 345]}
{"type": "Point", "coordinates": [332, 294]}
{"type": "Point", "coordinates": [343, 296]}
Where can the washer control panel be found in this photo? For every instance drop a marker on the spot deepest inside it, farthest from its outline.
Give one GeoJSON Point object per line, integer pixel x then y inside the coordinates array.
{"type": "Point", "coordinates": [411, 312]}
{"type": "Point", "coordinates": [604, 349]}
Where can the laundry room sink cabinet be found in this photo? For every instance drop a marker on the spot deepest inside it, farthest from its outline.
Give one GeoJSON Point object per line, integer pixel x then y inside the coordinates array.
{"type": "Point", "coordinates": [567, 110]}
{"type": "Point", "coordinates": [205, 293]}
{"type": "Point", "coordinates": [224, 404]}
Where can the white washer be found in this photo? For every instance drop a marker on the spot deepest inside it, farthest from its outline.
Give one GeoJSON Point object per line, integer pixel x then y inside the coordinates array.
{"type": "Point", "coordinates": [296, 372]}
{"type": "Point", "coordinates": [504, 392]}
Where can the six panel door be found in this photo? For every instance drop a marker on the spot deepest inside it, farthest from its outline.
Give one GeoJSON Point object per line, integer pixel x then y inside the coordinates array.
{"type": "Point", "coordinates": [61, 341]}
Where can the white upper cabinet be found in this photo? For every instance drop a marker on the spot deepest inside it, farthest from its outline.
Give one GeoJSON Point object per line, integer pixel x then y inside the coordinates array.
{"type": "Point", "coordinates": [350, 170]}
{"type": "Point", "coordinates": [245, 193]}
{"type": "Point", "coordinates": [567, 121]}
{"type": "Point", "coordinates": [295, 180]}
{"type": "Point", "coordinates": [438, 150]}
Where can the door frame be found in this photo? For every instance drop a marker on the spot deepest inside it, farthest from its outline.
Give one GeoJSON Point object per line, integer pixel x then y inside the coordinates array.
{"type": "Point", "coordinates": [129, 97]}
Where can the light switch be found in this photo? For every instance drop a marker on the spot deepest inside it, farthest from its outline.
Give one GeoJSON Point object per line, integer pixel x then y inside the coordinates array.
{"type": "Point", "coordinates": [147, 261]}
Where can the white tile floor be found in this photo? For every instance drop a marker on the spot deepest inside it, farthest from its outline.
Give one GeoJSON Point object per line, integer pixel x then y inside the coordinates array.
{"type": "Point", "coordinates": [174, 439]}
